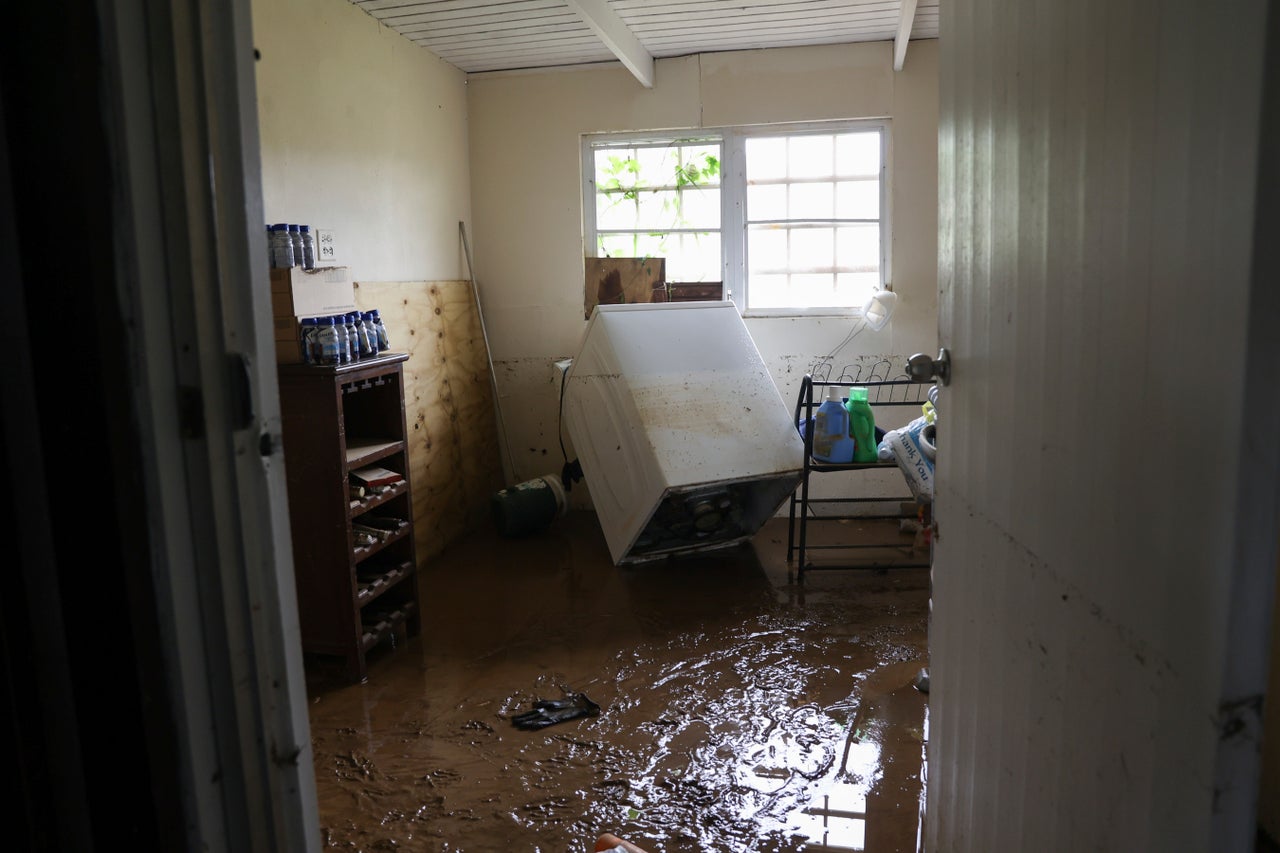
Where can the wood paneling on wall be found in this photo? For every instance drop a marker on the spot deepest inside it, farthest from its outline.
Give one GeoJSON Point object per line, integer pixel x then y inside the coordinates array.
{"type": "Point", "coordinates": [454, 452]}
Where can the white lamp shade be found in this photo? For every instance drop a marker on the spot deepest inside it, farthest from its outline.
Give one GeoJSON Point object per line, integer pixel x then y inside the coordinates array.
{"type": "Point", "coordinates": [879, 309]}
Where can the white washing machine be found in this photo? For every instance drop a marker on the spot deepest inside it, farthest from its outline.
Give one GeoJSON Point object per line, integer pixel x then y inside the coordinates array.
{"type": "Point", "coordinates": [684, 441]}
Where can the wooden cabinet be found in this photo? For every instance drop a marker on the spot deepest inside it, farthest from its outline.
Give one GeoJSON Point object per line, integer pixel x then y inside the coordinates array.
{"type": "Point", "coordinates": [356, 590]}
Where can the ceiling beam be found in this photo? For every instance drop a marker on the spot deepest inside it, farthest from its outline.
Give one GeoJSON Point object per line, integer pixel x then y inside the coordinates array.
{"type": "Point", "coordinates": [617, 36]}
{"type": "Point", "coordinates": [906, 17]}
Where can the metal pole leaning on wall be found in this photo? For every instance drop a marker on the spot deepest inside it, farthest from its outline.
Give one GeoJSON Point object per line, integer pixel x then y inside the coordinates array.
{"type": "Point", "coordinates": [507, 462]}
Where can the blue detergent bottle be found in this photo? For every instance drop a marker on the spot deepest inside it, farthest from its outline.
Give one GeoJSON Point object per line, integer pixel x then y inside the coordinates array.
{"type": "Point", "coordinates": [831, 440]}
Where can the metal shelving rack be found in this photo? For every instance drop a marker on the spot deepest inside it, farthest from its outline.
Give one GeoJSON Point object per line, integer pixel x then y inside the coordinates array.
{"type": "Point", "coordinates": [881, 393]}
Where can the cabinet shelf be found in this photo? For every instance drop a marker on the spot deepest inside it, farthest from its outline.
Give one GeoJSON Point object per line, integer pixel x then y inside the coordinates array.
{"type": "Point", "coordinates": [366, 453]}
{"type": "Point", "coordinates": [387, 623]}
{"type": "Point", "coordinates": [360, 553]}
{"type": "Point", "coordinates": [372, 587]}
{"type": "Point", "coordinates": [336, 420]}
{"type": "Point", "coordinates": [363, 505]}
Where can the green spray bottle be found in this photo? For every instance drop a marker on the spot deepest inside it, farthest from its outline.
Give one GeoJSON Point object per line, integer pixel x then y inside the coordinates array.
{"type": "Point", "coordinates": [862, 426]}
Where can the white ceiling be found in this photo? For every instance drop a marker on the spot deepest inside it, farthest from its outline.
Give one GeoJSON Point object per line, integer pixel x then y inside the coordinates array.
{"type": "Point", "coordinates": [493, 35]}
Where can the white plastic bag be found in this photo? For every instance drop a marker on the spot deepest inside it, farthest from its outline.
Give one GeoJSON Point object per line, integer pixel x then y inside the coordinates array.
{"type": "Point", "coordinates": [913, 448]}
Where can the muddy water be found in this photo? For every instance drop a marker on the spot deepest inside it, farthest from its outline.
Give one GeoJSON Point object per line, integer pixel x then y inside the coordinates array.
{"type": "Point", "coordinates": [740, 712]}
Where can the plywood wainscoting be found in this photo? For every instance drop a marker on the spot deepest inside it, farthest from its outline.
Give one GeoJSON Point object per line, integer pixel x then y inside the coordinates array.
{"type": "Point", "coordinates": [454, 454]}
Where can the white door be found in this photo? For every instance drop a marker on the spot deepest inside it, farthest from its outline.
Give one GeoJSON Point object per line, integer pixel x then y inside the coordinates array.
{"type": "Point", "coordinates": [1097, 661]}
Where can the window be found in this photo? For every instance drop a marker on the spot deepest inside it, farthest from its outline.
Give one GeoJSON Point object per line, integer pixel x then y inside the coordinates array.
{"type": "Point", "coordinates": [793, 220]}
{"type": "Point", "coordinates": [660, 199]}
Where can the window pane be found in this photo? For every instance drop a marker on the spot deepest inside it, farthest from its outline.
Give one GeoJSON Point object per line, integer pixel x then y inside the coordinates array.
{"type": "Point", "coordinates": [853, 289]}
{"type": "Point", "coordinates": [769, 291]}
{"type": "Point", "coordinates": [812, 248]}
{"type": "Point", "coordinates": [657, 166]}
{"type": "Point", "coordinates": [858, 248]}
{"type": "Point", "coordinates": [615, 211]}
{"type": "Point", "coordinates": [766, 202]}
{"type": "Point", "coordinates": [812, 201]}
{"type": "Point", "coordinates": [694, 257]}
{"type": "Point", "coordinates": [858, 154]}
{"type": "Point", "coordinates": [653, 245]}
{"type": "Point", "coordinates": [766, 159]}
{"type": "Point", "coordinates": [767, 250]}
{"type": "Point", "coordinates": [615, 167]}
{"type": "Point", "coordinates": [617, 246]}
{"type": "Point", "coordinates": [702, 164]}
{"type": "Point", "coordinates": [700, 208]}
{"type": "Point", "coordinates": [658, 210]}
{"type": "Point", "coordinates": [813, 290]}
{"type": "Point", "coordinates": [810, 156]}
{"type": "Point", "coordinates": [858, 200]}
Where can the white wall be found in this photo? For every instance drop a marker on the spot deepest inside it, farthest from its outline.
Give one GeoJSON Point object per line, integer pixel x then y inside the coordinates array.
{"type": "Point", "coordinates": [364, 132]}
{"type": "Point", "coordinates": [527, 200]}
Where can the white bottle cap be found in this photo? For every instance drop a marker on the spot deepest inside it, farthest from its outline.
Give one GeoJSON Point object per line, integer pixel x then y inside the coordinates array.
{"type": "Point", "coordinates": [833, 393]}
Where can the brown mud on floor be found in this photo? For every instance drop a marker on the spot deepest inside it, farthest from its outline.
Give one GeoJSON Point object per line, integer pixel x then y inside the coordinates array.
{"type": "Point", "coordinates": [741, 711]}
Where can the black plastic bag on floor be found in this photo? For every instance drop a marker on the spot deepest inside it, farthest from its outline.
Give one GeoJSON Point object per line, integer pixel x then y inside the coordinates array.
{"type": "Point", "coordinates": [548, 712]}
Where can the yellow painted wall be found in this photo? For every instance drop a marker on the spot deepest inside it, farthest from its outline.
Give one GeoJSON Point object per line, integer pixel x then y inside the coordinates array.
{"type": "Point", "coordinates": [364, 132]}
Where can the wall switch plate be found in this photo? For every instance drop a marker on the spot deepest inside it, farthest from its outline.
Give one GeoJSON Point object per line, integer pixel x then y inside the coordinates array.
{"type": "Point", "coordinates": [326, 246]}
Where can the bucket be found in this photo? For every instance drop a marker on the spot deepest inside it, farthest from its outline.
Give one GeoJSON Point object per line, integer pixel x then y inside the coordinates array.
{"type": "Point", "coordinates": [530, 506]}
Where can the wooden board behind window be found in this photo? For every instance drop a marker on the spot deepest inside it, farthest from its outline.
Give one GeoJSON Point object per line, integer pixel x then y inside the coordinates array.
{"type": "Point", "coordinates": [618, 281]}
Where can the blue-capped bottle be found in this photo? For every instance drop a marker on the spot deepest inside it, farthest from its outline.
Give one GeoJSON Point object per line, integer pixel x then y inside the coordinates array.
{"type": "Point", "coordinates": [353, 337]}
{"type": "Point", "coordinates": [368, 347]}
{"type": "Point", "coordinates": [281, 246]}
{"type": "Point", "coordinates": [307, 340]}
{"type": "Point", "coordinates": [371, 332]}
{"type": "Point", "coordinates": [327, 338]}
{"type": "Point", "coordinates": [384, 343]}
{"type": "Point", "coordinates": [831, 439]}
{"type": "Point", "coordinates": [295, 238]}
{"type": "Point", "coordinates": [308, 247]}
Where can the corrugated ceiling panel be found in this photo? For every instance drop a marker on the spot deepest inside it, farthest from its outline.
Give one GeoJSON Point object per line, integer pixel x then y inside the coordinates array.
{"type": "Point", "coordinates": [488, 35]}
{"type": "Point", "coordinates": [483, 36]}
{"type": "Point", "coordinates": [691, 26]}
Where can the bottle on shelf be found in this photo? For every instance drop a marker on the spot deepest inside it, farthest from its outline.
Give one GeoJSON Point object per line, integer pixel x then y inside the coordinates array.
{"type": "Point", "coordinates": [307, 340]}
{"type": "Point", "coordinates": [384, 343]}
{"type": "Point", "coordinates": [295, 237]}
{"type": "Point", "coordinates": [344, 338]}
{"type": "Point", "coordinates": [371, 332]}
{"type": "Point", "coordinates": [862, 426]}
{"type": "Point", "coordinates": [327, 338]}
{"type": "Point", "coordinates": [353, 337]}
{"type": "Point", "coordinates": [308, 247]}
{"type": "Point", "coordinates": [362, 334]}
{"type": "Point", "coordinates": [831, 441]}
{"type": "Point", "coordinates": [281, 246]}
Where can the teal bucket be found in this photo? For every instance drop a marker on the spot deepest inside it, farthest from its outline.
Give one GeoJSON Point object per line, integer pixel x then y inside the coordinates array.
{"type": "Point", "coordinates": [528, 507]}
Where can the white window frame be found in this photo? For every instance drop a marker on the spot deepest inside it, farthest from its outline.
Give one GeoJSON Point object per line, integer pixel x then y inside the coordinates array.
{"type": "Point", "coordinates": [733, 190]}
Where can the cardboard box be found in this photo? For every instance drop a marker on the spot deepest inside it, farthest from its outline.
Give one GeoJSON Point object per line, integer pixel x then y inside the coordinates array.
{"type": "Point", "coordinates": [288, 352]}
{"type": "Point", "coordinates": [288, 336]}
{"type": "Point", "coordinates": [286, 327]}
{"type": "Point", "coordinates": [296, 292]}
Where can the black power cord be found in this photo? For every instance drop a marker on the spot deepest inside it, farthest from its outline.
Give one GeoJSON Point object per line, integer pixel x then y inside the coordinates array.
{"type": "Point", "coordinates": [572, 471]}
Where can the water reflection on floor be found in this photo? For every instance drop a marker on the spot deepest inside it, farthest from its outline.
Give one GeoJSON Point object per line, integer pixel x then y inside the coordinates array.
{"type": "Point", "coordinates": [740, 710]}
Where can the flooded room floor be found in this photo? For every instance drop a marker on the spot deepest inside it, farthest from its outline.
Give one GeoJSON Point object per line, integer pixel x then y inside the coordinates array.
{"type": "Point", "coordinates": [739, 710]}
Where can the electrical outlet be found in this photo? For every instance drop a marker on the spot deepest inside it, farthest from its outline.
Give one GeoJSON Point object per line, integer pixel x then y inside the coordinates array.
{"type": "Point", "coordinates": [326, 246]}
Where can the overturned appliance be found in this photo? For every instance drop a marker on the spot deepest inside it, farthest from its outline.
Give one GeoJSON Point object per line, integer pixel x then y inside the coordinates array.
{"type": "Point", "coordinates": [684, 441]}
